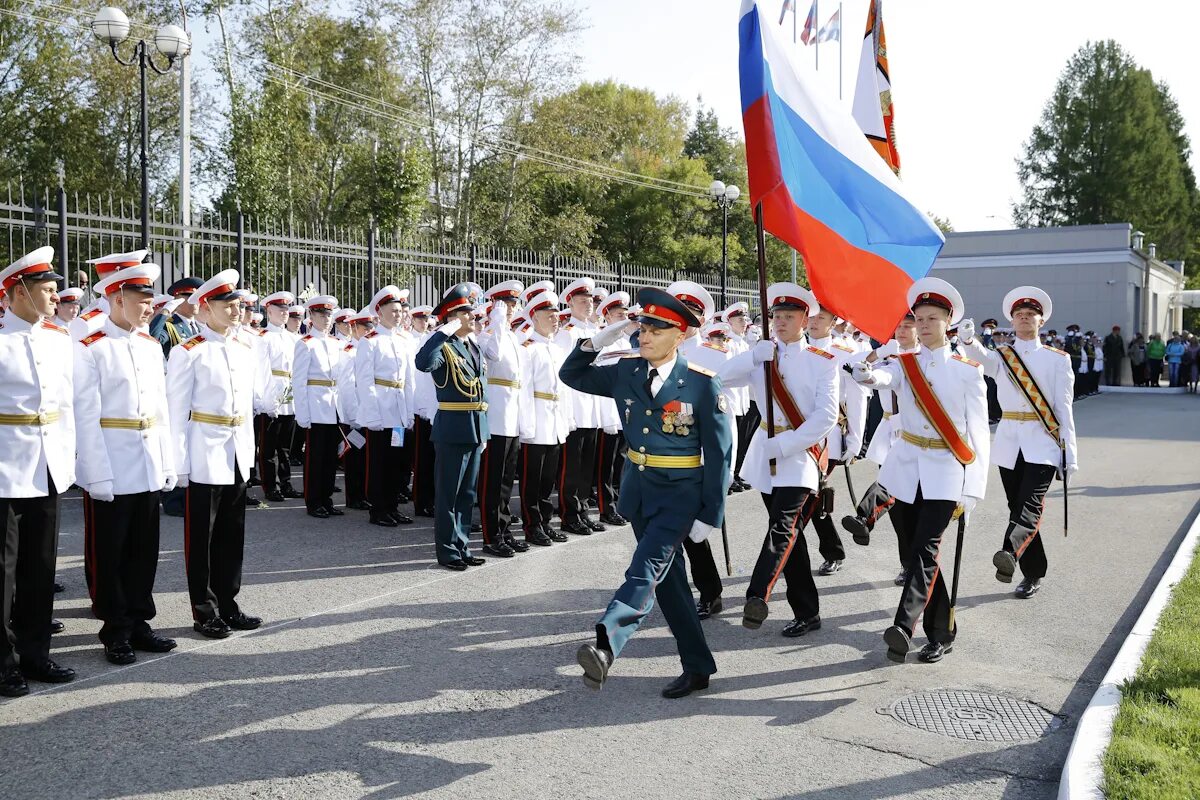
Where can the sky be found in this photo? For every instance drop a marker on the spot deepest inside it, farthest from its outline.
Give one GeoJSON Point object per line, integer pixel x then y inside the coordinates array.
{"type": "Point", "coordinates": [969, 79]}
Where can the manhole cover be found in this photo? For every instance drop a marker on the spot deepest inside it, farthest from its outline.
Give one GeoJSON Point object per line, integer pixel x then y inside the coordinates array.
{"type": "Point", "coordinates": [974, 716]}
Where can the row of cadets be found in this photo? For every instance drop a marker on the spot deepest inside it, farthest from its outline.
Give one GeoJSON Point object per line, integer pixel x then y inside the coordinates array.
{"type": "Point", "coordinates": [701, 356]}
{"type": "Point", "coordinates": [786, 469]}
{"type": "Point", "coordinates": [37, 437]}
{"type": "Point", "coordinates": [91, 319]}
{"type": "Point", "coordinates": [425, 407]}
{"type": "Point", "coordinates": [498, 471]}
{"type": "Point", "coordinates": [386, 388]}
{"type": "Point", "coordinates": [845, 439]}
{"type": "Point", "coordinates": [939, 464]}
{"type": "Point", "coordinates": [613, 309]}
{"type": "Point", "coordinates": [124, 459]}
{"type": "Point", "coordinates": [545, 420]}
{"type": "Point", "coordinates": [578, 472]}
{"type": "Point", "coordinates": [354, 459]}
{"type": "Point", "coordinates": [275, 412]}
{"type": "Point", "coordinates": [876, 499]}
{"type": "Point", "coordinates": [211, 411]}
{"type": "Point", "coordinates": [1036, 435]}
{"type": "Point", "coordinates": [460, 428]}
{"type": "Point", "coordinates": [314, 390]}
{"type": "Point", "coordinates": [736, 316]}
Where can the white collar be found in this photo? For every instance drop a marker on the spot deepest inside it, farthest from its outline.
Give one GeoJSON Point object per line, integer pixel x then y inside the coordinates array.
{"type": "Point", "coordinates": [1022, 346]}
{"type": "Point", "coordinates": [666, 368]}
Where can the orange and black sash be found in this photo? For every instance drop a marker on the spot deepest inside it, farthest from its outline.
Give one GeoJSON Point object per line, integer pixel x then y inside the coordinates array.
{"type": "Point", "coordinates": [931, 407]}
{"type": "Point", "coordinates": [787, 404]}
{"type": "Point", "coordinates": [1025, 382]}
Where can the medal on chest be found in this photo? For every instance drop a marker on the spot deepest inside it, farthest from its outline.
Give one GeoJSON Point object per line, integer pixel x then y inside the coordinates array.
{"type": "Point", "coordinates": [677, 418]}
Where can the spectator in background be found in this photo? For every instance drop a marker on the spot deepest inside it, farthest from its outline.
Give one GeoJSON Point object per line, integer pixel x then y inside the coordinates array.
{"type": "Point", "coordinates": [83, 282]}
{"type": "Point", "coordinates": [1191, 363]}
{"type": "Point", "coordinates": [1098, 364]}
{"type": "Point", "coordinates": [1155, 351]}
{"type": "Point", "coordinates": [1114, 351]}
{"type": "Point", "coordinates": [1137, 360]}
{"type": "Point", "coordinates": [1175, 350]}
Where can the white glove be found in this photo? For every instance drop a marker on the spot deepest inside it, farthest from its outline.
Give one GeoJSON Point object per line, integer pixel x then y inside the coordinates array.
{"type": "Point", "coordinates": [101, 490]}
{"type": "Point", "coordinates": [169, 481]}
{"type": "Point", "coordinates": [966, 330]}
{"type": "Point", "coordinates": [772, 450]}
{"type": "Point", "coordinates": [892, 348]}
{"type": "Point", "coordinates": [451, 327]}
{"type": "Point", "coordinates": [763, 351]}
{"type": "Point", "coordinates": [861, 373]}
{"type": "Point", "coordinates": [612, 430]}
{"type": "Point", "coordinates": [611, 334]}
{"type": "Point", "coordinates": [967, 504]}
{"type": "Point", "coordinates": [1071, 470]}
{"type": "Point", "coordinates": [700, 531]}
{"type": "Point", "coordinates": [499, 314]}
{"type": "Point", "coordinates": [181, 481]}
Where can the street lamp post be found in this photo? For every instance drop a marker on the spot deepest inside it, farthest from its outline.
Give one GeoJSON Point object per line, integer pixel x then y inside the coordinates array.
{"type": "Point", "coordinates": [725, 197]}
{"type": "Point", "coordinates": [111, 26]}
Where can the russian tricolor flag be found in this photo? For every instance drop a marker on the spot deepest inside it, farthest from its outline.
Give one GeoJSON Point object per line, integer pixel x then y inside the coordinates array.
{"type": "Point", "coordinates": [825, 191]}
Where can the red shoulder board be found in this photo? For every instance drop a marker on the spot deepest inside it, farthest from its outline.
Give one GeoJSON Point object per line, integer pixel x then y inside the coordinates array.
{"type": "Point", "coordinates": [965, 360]}
{"type": "Point", "coordinates": [526, 343]}
{"type": "Point", "coordinates": [820, 352]}
{"type": "Point", "coordinates": [843, 347]}
{"type": "Point", "coordinates": [192, 342]}
{"type": "Point", "coordinates": [717, 347]}
{"type": "Point", "coordinates": [307, 337]}
{"type": "Point", "coordinates": [262, 331]}
{"type": "Point", "coordinates": [372, 334]}
{"type": "Point", "coordinates": [348, 348]}
{"type": "Point", "coordinates": [145, 335]}
{"type": "Point", "coordinates": [93, 313]}
{"type": "Point", "coordinates": [95, 337]}
{"type": "Point", "coordinates": [1056, 350]}
{"type": "Point", "coordinates": [50, 326]}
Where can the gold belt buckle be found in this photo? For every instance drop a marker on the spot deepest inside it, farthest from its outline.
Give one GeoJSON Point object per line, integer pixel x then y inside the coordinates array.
{"type": "Point", "coordinates": [43, 418]}
{"type": "Point", "coordinates": [637, 458]}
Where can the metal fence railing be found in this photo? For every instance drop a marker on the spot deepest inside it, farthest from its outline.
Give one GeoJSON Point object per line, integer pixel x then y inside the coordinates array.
{"type": "Point", "coordinates": [348, 262]}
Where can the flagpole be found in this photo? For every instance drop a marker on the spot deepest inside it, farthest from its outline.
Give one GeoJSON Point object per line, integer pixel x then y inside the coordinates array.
{"type": "Point", "coordinates": [817, 28]}
{"type": "Point", "coordinates": [795, 44]}
{"type": "Point", "coordinates": [841, 59]}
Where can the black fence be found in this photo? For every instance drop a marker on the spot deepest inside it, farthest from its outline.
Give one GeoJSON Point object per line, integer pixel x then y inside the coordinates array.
{"type": "Point", "coordinates": [349, 263]}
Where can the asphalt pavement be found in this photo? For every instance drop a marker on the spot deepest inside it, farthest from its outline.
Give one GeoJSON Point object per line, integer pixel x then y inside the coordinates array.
{"type": "Point", "coordinates": [379, 675]}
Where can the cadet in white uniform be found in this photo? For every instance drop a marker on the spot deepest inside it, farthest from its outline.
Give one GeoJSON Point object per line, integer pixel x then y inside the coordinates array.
{"type": "Point", "coordinates": [124, 459]}
{"type": "Point", "coordinates": [211, 408]}
{"type": "Point", "coordinates": [92, 318]}
{"type": "Point", "coordinates": [275, 412]}
{"type": "Point", "coordinates": [314, 387]}
{"type": "Point", "coordinates": [425, 408]}
{"type": "Point", "coordinates": [355, 461]}
{"type": "Point", "coordinates": [786, 468]}
{"type": "Point", "coordinates": [736, 316]}
{"type": "Point", "coordinates": [610, 449]}
{"type": "Point", "coordinates": [67, 308]}
{"type": "Point", "coordinates": [1036, 437]}
{"type": "Point", "coordinates": [37, 438]}
{"type": "Point", "coordinates": [939, 463]}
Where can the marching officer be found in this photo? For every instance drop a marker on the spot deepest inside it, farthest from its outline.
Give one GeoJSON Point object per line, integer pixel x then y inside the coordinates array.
{"type": "Point", "coordinates": [504, 378]}
{"type": "Point", "coordinates": [424, 408]}
{"type": "Point", "coordinates": [460, 429]}
{"type": "Point", "coordinates": [544, 419]}
{"type": "Point", "coordinates": [610, 458]}
{"type": "Point", "coordinates": [37, 437]}
{"type": "Point", "coordinates": [124, 459]}
{"type": "Point", "coordinates": [385, 384]}
{"type": "Point", "coordinates": [211, 407]}
{"type": "Point", "coordinates": [1036, 437]}
{"type": "Point", "coordinates": [314, 389]}
{"type": "Point", "coordinates": [785, 462]}
{"type": "Point", "coordinates": [939, 464]}
{"type": "Point", "coordinates": [276, 414]}
{"type": "Point", "coordinates": [678, 430]}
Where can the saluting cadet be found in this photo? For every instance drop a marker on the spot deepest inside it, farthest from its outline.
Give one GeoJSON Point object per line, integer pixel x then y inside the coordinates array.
{"type": "Point", "coordinates": [385, 384]}
{"type": "Point", "coordinates": [579, 453]}
{"type": "Point", "coordinates": [123, 460]}
{"type": "Point", "coordinates": [276, 412]}
{"type": "Point", "coordinates": [314, 388]}
{"type": "Point", "coordinates": [610, 449]}
{"type": "Point", "coordinates": [677, 426]}
{"type": "Point", "coordinates": [1036, 437]}
{"type": "Point", "coordinates": [92, 318]}
{"type": "Point", "coordinates": [68, 307]}
{"type": "Point", "coordinates": [182, 324]}
{"type": "Point", "coordinates": [425, 407]}
{"type": "Point", "coordinates": [354, 462]}
{"type": "Point", "coordinates": [785, 461]}
{"type": "Point", "coordinates": [744, 412]}
{"type": "Point", "coordinates": [940, 462]}
{"type": "Point", "coordinates": [697, 351]}
{"type": "Point", "coordinates": [504, 378]}
{"type": "Point", "coordinates": [37, 437]}
{"type": "Point", "coordinates": [211, 407]}
{"type": "Point", "coordinates": [460, 429]}
{"type": "Point", "coordinates": [845, 439]}
{"type": "Point", "coordinates": [545, 419]}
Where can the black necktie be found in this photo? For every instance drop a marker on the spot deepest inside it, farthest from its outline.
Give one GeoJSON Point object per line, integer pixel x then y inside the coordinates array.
{"type": "Point", "coordinates": [650, 383]}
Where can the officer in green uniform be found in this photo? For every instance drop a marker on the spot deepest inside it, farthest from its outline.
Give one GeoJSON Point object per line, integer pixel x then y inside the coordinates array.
{"type": "Point", "coordinates": [460, 428]}
{"type": "Point", "coordinates": [674, 481]}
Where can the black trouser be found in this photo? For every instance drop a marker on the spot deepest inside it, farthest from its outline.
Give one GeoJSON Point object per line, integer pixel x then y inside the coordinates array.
{"type": "Point", "coordinates": [1154, 371]}
{"type": "Point", "coordinates": [496, 477]}
{"type": "Point", "coordinates": [423, 460]}
{"type": "Point", "coordinates": [704, 570]}
{"type": "Point", "coordinates": [274, 437]}
{"type": "Point", "coordinates": [354, 464]}
{"type": "Point", "coordinates": [923, 523]}
{"type": "Point", "coordinates": [784, 551]}
{"type": "Point", "coordinates": [871, 506]}
{"type": "Point", "coordinates": [125, 559]}
{"type": "Point", "coordinates": [89, 548]}
{"type": "Point", "coordinates": [539, 473]}
{"type": "Point", "coordinates": [747, 424]}
{"type": "Point", "coordinates": [610, 460]}
{"type": "Point", "coordinates": [214, 537]}
{"type": "Point", "coordinates": [1112, 372]}
{"type": "Point", "coordinates": [27, 576]}
{"type": "Point", "coordinates": [320, 464]}
{"type": "Point", "coordinates": [385, 467]}
{"type": "Point", "coordinates": [1025, 486]}
{"type": "Point", "coordinates": [578, 470]}
{"type": "Point", "coordinates": [296, 450]}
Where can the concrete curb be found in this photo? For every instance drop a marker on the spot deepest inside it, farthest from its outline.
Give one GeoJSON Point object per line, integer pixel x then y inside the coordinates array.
{"type": "Point", "coordinates": [1083, 774]}
{"type": "Point", "coordinates": [1143, 390]}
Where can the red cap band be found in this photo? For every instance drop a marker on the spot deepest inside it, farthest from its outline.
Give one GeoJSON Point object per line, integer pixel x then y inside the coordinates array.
{"type": "Point", "coordinates": [117, 286]}
{"type": "Point", "coordinates": [792, 301]}
{"type": "Point", "coordinates": [224, 288]}
{"type": "Point", "coordinates": [28, 272]}
{"type": "Point", "coordinates": [1027, 302]}
{"type": "Point", "coordinates": [457, 304]}
{"type": "Point", "coordinates": [109, 267]}
{"type": "Point", "coordinates": [932, 298]}
{"type": "Point", "coordinates": [655, 311]}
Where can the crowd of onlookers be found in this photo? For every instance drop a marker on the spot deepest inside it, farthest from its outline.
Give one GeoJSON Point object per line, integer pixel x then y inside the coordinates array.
{"type": "Point", "coordinates": [1177, 359]}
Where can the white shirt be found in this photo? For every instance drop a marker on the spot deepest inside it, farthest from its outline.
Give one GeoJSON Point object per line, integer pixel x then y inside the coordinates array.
{"type": "Point", "coordinates": [544, 419]}
{"type": "Point", "coordinates": [499, 346]}
{"type": "Point", "coordinates": [657, 378]}
{"type": "Point", "coordinates": [385, 379]}
{"type": "Point", "coordinates": [317, 357]}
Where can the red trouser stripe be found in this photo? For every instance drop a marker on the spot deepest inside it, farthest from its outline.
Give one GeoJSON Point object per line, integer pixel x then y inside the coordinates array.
{"type": "Point", "coordinates": [791, 543]}
{"type": "Point", "coordinates": [1029, 538]}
